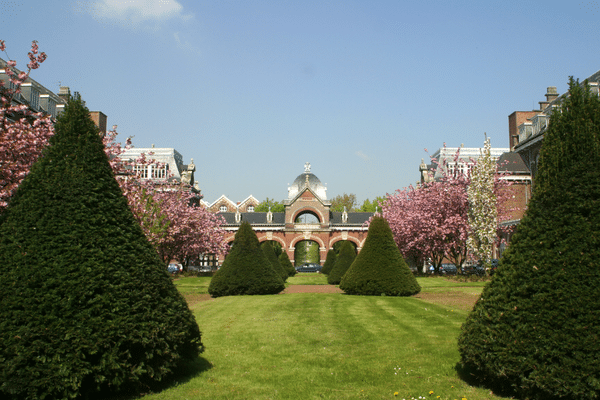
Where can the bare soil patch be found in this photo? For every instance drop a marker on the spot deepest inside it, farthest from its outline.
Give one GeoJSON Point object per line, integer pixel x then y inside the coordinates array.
{"type": "Point", "coordinates": [312, 289]}
{"type": "Point", "coordinates": [458, 300]}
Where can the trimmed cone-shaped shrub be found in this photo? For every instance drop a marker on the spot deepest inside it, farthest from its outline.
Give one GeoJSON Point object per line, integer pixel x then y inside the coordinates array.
{"type": "Point", "coordinates": [535, 329]}
{"type": "Point", "coordinates": [285, 262]}
{"type": "Point", "coordinates": [342, 262]}
{"type": "Point", "coordinates": [86, 305]}
{"type": "Point", "coordinates": [267, 248]}
{"type": "Point", "coordinates": [379, 268]}
{"type": "Point", "coordinates": [246, 269]}
{"type": "Point", "coordinates": [329, 262]}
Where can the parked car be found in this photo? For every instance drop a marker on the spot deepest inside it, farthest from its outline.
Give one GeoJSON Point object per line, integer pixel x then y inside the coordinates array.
{"type": "Point", "coordinates": [201, 268]}
{"type": "Point", "coordinates": [473, 270]}
{"type": "Point", "coordinates": [309, 267]}
{"type": "Point", "coordinates": [494, 267]}
{"type": "Point", "coordinates": [174, 268]}
{"type": "Point", "coordinates": [448, 269]}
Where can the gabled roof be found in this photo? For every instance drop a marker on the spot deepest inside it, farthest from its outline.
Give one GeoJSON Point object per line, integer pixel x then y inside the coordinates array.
{"type": "Point", "coordinates": [223, 197]}
{"type": "Point", "coordinates": [301, 192]}
{"type": "Point", "coordinates": [248, 200]}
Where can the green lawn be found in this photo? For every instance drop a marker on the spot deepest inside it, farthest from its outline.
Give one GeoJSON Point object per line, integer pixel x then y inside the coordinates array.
{"type": "Point", "coordinates": [326, 346]}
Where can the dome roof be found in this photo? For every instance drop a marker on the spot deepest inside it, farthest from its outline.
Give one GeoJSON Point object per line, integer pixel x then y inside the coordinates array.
{"type": "Point", "coordinates": [307, 179]}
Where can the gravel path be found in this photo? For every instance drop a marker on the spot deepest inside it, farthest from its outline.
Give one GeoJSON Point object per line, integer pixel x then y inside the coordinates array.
{"type": "Point", "coordinates": [312, 289]}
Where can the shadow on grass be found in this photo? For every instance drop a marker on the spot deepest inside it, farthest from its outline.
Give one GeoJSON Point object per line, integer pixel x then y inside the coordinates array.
{"type": "Point", "coordinates": [187, 371]}
{"type": "Point", "coordinates": [473, 377]}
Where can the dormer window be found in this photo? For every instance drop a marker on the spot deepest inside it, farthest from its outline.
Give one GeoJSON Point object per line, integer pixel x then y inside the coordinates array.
{"type": "Point", "coordinates": [159, 172]}
{"type": "Point", "coordinates": [141, 170]}
{"type": "Point", "coordinates": [223, 209]}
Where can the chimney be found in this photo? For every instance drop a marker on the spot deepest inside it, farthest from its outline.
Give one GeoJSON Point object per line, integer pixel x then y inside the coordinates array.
{"type": "Point", "coordinates": [551, 94]}
{"type": "Point", "coordinates": [64, 93]}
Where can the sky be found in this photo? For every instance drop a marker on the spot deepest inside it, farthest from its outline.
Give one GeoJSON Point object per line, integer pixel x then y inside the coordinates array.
{"type": "Point", "coordinates": [252, 90]}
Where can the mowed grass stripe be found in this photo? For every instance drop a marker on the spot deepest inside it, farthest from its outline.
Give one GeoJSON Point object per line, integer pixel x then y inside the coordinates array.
{"type": "Point", "coordinates": [325, 346]}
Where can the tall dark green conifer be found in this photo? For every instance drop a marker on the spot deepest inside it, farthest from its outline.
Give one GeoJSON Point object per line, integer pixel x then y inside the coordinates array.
{"type": "Point", "coordinates": [246, 269]}
{"type": "Point", "coordinates": [379, 268]}
{"type": "Point", "coordinates": [85, 303]}
{"type": "Point", "coordinates": [285, 262]}
{"type": "Point", "coordinates": [342, 263]}
{"type": "Point", "coordinates": [329, 262]}
{"type": "Point", "coordinates": [535, 329]}
{"type": "Point", "coordinates": [269, 251]}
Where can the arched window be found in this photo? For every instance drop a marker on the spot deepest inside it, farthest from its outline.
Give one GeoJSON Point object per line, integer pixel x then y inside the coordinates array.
{"type": "Point", "coordinates": [307, 217]}
{"type": "Point", "coordinates": [223, 208]}
{"type": "Point", "coordinates": [251, 208]}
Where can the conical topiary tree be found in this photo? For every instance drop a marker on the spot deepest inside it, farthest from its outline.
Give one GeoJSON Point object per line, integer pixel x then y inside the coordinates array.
{"type": "Point", "coordinates": [379, 268]}
{"type": "Point", "coordinates": [285, 262]}
{"type": "Point", "coordinates": [342, 262]}
{"type": "Point", "coordinates": [267, 248]}
{"type": "Point", "coordinates": [86, 305]}
{"type": "Point", "coordinates": [329, 262]}
{"type": "Point", "coordinates": [534, 331]}
{"type": "Point", "coordinates": [246, 269]}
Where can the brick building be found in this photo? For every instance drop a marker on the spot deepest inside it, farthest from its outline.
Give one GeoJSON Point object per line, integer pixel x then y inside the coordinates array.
{"type": "Point", "coordinates": [224, 204]}
{"type": "Point", "coordinates": [307, 217]}
{"type": "Point", "coordinates": [40, 99]}
{"type": "Point", "coordinates": [526, 128]}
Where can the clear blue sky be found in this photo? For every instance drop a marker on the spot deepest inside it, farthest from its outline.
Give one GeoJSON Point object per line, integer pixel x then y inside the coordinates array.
{"type": "Point", "coordinates": [251, 90]}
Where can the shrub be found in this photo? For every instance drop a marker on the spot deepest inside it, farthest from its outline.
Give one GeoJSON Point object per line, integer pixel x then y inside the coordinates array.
{"type": "Point", "coordinates": [267, 248]}
{"type": "Point", "coordinates": [329, 262]}
{"type": "Point", "coordinates": [285, 262]}
{"type": "Point", "coordinates": [342, 262]}
{"type": "Point", "coordinates": [246, 269]}
{"type": "Point", "coordinates": [86, 305]}
{"type": "Point", "coordinates": [534, 329]}
{"type": "Point", "coordinates": [379, 268]}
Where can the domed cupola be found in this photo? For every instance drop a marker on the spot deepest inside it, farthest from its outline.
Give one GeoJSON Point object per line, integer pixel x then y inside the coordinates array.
{"type": "Point", "coordinates": [307, 179]}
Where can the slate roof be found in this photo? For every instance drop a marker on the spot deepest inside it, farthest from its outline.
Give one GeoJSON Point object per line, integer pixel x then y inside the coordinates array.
{"type": "Point", "coordinates": [260, 218]}
{"type": "Point", "coordinates": [254, 218]}
{"type": "Point", "coordinates": [512, 163]}
{"type": "Point", "coordinates": [354, 218]}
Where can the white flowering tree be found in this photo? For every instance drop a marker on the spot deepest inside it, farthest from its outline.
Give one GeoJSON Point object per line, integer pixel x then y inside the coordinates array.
{"type": "Point", "coordinates": [483, 206]}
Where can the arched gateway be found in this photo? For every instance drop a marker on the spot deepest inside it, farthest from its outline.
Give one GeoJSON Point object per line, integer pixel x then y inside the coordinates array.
{"type": "Point", "coordinates": [306, 217]}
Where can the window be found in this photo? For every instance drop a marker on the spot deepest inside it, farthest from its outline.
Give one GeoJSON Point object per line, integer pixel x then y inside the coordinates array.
{"type": "Point", "coordinates": [250, 208]}
{"type": "Point", "coordinates": [159, 172]}
{"type": "Point", "coordinates": [223, 209]}
{"type": "Point", "coordinates": [141, 170]}
{"type": "Point", "coordinates": [307, 217]}
{"type": "Point", "coordinates": [34, 100]}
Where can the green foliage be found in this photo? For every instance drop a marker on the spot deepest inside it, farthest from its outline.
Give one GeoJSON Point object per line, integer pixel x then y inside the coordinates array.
{"type": "Point", "coordinates": [372, 206]}
{"type": "Point", "coordinates": [343, 261]}
{"type": "Point", "coordinates": [535, 328]}
{"type": "Point", "coordinates": [307, 251]}
{"type": "Point", "coordinates": [285, 262]}
{"type": "Point", "coordinates": [246, 269]}
{"type": "Point", "coordinates": [86, 305]}
{"type": "Point", "coordinates": [264, 206]}
{"type": "Point", "coordinates": [329, 262]}
{"type": "Point", "coordinates": [338, 245]}
{"type": "Point", "coordinates": [267, 248]}
{"type": "Point", "coordinates": [345, 200]}
{"type": "Point", "coordinates": [275, 245]}
{"type": "Point", "coordinates": [379, 268]}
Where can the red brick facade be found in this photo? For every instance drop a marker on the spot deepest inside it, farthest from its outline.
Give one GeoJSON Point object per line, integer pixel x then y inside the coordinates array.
{"type": "Point", "coordinates": [326, 227]}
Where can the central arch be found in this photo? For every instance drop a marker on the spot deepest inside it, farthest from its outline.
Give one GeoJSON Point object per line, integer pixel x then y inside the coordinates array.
{"type": "Point", "coordinates": [307, 251]}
